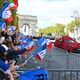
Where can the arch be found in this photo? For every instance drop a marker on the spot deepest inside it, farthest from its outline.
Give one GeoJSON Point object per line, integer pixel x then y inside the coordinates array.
{"type": "Point", "coordinates": [29, 21]}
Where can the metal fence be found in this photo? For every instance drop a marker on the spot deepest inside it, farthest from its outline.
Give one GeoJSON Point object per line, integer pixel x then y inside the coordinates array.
{"type": "Point", "coordinates": [64, 74]}
{"type": "Point", "coordinates": [55, 61]}
{"type": "Point", "coordinates": [68, 61]}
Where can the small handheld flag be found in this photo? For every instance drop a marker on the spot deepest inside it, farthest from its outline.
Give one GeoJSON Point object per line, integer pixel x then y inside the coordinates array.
{"type": "Point", "coordinates": [7, 15]}
{"type": "Point", "coordinates": [10, 6]}
{"type": "Point", "coordinates": [40, 53]}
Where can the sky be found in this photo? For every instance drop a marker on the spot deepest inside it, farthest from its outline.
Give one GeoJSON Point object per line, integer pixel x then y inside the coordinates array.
{"type": "Point", "coordinates": [50, 12]}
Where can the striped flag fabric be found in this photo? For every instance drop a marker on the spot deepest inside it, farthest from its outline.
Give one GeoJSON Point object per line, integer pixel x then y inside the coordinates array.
{"type": "Point", "coordinates": [48, 43]}
{"type": "Point", "coordinates": [40, 53]}
{"type": "Point", "coordinates": [7, 15]}
{"type": "Point", "coordinates": [30, 46]}
{"type": "Point", "coordinates": [10, 6]}
{"type": "Point", "coordinates": [41, 40]}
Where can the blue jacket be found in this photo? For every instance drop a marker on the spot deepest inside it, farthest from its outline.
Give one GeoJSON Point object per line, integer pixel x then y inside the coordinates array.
{"type": "Point", "coordinates": [4, 66]}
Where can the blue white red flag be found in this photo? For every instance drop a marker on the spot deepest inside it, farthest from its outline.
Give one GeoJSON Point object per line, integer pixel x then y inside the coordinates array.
{"type": "Point", "coordinates": [10, 6]}
{"type": "Point", "coordinates": [40, 53]}
{"type": "Point", "coordinates": [38, 74]}
{"type": "Point", "coordinates": [7, 15]}
{"type": "Point", "coordinates": [48, 43]}
{"type": "Point", "coordinates": [40, 40]}
{"type": "Point", "coordinates": [30, 46]}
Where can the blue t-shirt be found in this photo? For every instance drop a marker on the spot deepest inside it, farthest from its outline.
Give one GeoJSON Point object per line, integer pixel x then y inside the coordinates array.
{"type": "Point", "coordinates": [4, 66]}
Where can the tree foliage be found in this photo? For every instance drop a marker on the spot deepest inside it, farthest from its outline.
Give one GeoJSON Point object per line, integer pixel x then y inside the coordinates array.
{"type": "Point", "coordinates": [58, 28]}
{"type": "Point", "coordinates": [1, 3]}
{"type": "Point", "coordinates": [16, 18]}
{"type": "Point", "coordinates": [75, 23]}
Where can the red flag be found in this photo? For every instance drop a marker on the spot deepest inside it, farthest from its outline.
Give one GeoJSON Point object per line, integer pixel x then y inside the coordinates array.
{"type": "Point", "coordinates": [10, 19]}
{"type": "Point", "coordinates": [49, 45]}
{"type": "Point", "coordinates": [16, 2]}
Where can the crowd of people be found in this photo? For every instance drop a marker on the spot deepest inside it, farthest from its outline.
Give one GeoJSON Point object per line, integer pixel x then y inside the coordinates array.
{"type": "Point", "coordinates": [9, 52]}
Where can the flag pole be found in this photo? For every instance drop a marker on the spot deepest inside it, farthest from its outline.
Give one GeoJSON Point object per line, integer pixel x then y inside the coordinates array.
{"type": "Point", "coordinates": [34, 58]}
{"type": "Point", "coordinates": [28, 60]}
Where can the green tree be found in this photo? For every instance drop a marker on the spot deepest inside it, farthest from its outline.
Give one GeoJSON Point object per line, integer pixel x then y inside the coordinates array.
{"type": "Point", "coordinates": [75, 23]}
{"type": "Point", "coordinates": [59, 28]}
{"type": "Point", "coordinates": [16, 18]}
{"type": "Point", "coordinates": [1, 3]}
{"type": "Point", "coordinates": [14, 13]}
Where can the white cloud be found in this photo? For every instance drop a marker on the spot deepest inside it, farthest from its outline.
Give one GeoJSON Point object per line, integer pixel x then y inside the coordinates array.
{"type": "Point", "coordinates": [49, 12]}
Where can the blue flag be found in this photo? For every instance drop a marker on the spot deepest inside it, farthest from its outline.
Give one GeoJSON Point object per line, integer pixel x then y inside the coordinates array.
{"type": "Point", "coordinates": [6, 3]}
{"type": "Point", "coordinates": [38, 74]}
{"type": "Point", "coordinates": [40, 40]}
{"type": "Point", "coordinates": [2, 24]}
{"type": "Point", "coordinates": [29, 39]}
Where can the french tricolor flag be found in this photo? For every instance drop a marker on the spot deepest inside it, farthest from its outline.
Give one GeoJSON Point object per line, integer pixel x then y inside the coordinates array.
{"type": "Point", "coordinates": [30, 46]}
{"type": "Point", "coordinates": [48, 43]}
{"type": "Point", "coordinates": [11, 6]}
{"type": "Point", "coordinates": [40, 53]}
{"type": "Point", "coordinates": [7, 15]}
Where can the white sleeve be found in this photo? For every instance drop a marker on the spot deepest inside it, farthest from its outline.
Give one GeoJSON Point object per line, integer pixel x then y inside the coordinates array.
{"type": "Point", "coordinates": [7, 71]}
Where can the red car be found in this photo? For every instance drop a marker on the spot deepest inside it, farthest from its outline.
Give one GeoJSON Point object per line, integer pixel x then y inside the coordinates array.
{"type": "Point", "coordinates": [67, 43]}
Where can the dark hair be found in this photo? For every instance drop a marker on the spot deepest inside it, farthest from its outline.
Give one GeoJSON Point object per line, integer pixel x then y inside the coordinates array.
{"type": "Point", "coordinates": [2, 57]}
{"type": "Point", "coordinates": [2, 52]}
